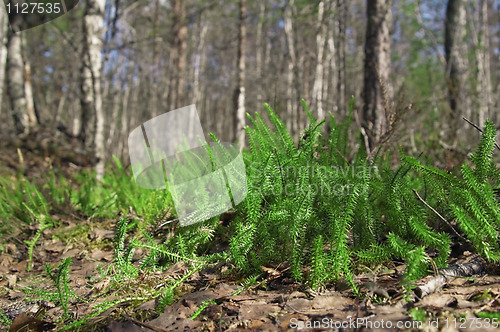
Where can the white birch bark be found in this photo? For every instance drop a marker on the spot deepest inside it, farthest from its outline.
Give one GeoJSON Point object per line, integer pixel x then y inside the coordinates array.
{"type": "Point", "coordinates": [91, 99]}
{"type": "Point", "coordinates": [15, 83]}
{"type": "Point", "coordinates": [240, 90]}
{"type": "Point", "coordinates": [28, 92]}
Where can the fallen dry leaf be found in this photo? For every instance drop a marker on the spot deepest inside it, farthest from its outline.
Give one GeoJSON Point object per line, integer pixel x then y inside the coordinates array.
{"type": "Point", "coordinates": [99, 254]}
{"type": "Point", "coordinates": [101, 285]}
{"type": "Point", "coordinates": [12, 280]}
{"type": "Point", "coordinates": [101, 234]}
{"type": "Point", "coordinates": [23, 323]}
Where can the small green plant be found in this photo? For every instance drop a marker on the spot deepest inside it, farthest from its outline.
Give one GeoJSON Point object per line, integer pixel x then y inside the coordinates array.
{"type": "Point", "coordinates": [418, 314]}
{"type": "Point", "coordinates": [60, 277]}
{"type": "Point", "coordinates": [4, 319]}
{"type": "Point", "coordinates": [123, 254]}
{"type": "Point", "coordinates": [323, 207]}
{"type": "Point", "coordinates": [469, 199]}
{"type": "Point", "coordinates": [490, 315]}
{"type": "Point", "coordinates": [202, 307]}
{"type": "Point", "coordinates": [318, 266]}
{"type": "Point", "coordinates": [21, 200]}
{"type": "Point", "coordinates": [43, 224]}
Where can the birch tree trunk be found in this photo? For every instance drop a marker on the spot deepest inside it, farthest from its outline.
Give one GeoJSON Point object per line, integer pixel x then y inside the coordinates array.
{"type": "Point", "coordinates": [239, 92]}
{"type": "Point", "coordinates": [377, 68]}
{"type": "Point", "coordinates": [91, 94]}
{"type": "Point", "coordinates": [28, 92]}
{"type": "Point", "coordinates": [320, 46]}
{"type": "Point", "coordinates": [456, 62]}
{"type": "Point", "coordinates": [15, 82]}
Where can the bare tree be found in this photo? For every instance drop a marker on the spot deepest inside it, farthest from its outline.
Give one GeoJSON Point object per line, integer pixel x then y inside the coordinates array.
{"type": "Point", "coordinates": [239, 92]}
{"type": "Point", "coordinates": [155, 68]}
{"type": "Point", "coordinates": [4, 26]}
{"type": "Point", "coordinates": [376, 68]}
{"type": "Point", "coordinates": [483, 84]}
{"type": "Point", "coordinates": [456, 54]}
{"type": "Point", "coordinates": [259, 50]}
{"type": "Point", "coordinates": [91, 94]}
{"type": "Point", "coordinates": [28, 92]}
{"type": "Point", "coordinates": [15, 82]}
{"type": "Point", "coordinates": [320, 46]}
{"type": "Point", "coordinates": [341, 52]}
{"type": "Point", "coordinates": [291, 105]}
{"type": "Point", "coordinates": [330, 73]}
{"type": "Point", "coordinates": [199, 58]}
{"type": "Point", "coordinates": [179, 53]}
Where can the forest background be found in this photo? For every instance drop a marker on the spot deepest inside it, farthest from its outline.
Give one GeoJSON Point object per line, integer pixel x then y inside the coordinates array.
{"type": "Point", "coordinates": [105, 67]}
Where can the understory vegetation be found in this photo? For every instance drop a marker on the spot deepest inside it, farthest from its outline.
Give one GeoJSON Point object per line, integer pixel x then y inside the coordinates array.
{"type": "Point", "coordinates": [321, 210]}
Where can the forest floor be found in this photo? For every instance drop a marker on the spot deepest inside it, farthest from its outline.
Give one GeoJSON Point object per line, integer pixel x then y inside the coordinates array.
{"type": "Point", "coordinates": [210, 299]}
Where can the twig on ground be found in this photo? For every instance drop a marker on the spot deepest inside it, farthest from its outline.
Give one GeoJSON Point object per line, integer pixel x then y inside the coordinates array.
{"type": "Point", "coordinates": [488, 304]}
{"type": "Point", "coordinates": [447, 275]}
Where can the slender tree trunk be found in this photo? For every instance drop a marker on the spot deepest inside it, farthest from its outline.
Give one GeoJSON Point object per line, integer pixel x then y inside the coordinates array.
{"type": "Point", "coordinates": [259, 52]}
{"type": "Point", "coordinates": [76, 123]}
{"type": "Point", "coordinates": [15, 82]}
{"type": "Point", "coordinates": [60, 106]}
{"type": "Point", "coordinates": [483, 64]}
{"type": "Point", "coordinates": [200, 59]}
{"type": "Point", "coordinates": [291, 105]}
{"type": "Point", "coordinates": [124, 122]}
{"type": "Point", "coordinates": [91, 94]}
{"type": "Point", "coordinates": [330, 75]}
{"type": "Point", "coordinates": [28, 92]}
{"type": "Point", "coordinates": [114, 120]}
{"type": "Point", "coordinates": [320, 47]}
{"type": "Point", "coordinates": [457, 72]}
{"type": "Point", "coordinates": [341, 52]}
{"type": "Point", "coordinates": [239, 92]}
{"type": "Point", "coordinates": [4, 26]}
{"type": "Point", "coordinates": [377, 68]}
{"type": "Point", "coordinates": [156, 60]}
{"type": "Point", "coordinates": [305, 65]}
{"type": "Point", "coordinates": [179, 53]}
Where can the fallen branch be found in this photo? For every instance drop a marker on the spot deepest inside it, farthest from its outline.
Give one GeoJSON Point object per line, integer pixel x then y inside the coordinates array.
{"type": "Point", "coordinates": [440, 216]}
{"type": "Point", "coordinates": [448, 274]}
{"type": "Point", "coordinates": [479, 129]}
